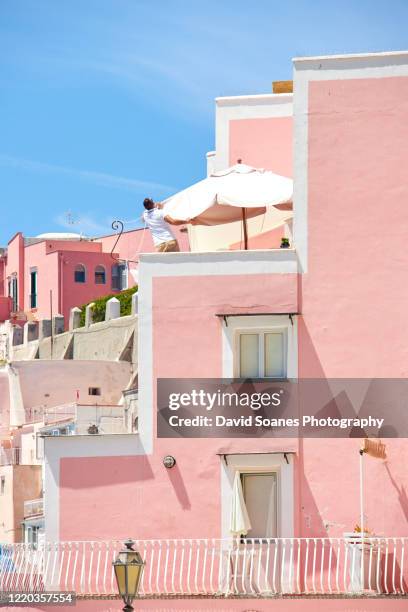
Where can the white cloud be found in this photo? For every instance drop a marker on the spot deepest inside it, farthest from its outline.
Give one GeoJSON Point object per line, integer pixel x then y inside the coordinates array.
{"type": "Point", "coordinates": [97, 178]}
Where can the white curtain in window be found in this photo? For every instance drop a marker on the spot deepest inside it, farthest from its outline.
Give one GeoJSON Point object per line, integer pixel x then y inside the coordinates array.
{"type": "Point", "coordinates": [249, 355]}
{"type": "Point", "coordinates": [274, 354]}
{"type": "Point", "coordinates": [239, 520]}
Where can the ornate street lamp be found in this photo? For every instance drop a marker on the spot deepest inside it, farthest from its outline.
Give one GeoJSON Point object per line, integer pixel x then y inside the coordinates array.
{"type": "Point", "coordinates": [128, 572]}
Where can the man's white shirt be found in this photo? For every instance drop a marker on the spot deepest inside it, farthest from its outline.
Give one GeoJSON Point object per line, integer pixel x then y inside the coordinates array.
{"type": "Point", "coordinates": [158, 227]}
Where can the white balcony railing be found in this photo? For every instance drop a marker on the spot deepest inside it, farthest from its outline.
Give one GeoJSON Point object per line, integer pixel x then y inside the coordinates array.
{"type": "Point", "coordinates": [33, 507]}
{"type": "Point", "coordinates": [50, 414]}
{"type": "Point", "coordinates": [247, 568]}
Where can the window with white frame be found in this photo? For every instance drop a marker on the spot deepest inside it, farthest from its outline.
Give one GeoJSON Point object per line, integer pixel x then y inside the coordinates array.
{"type": "Point", "coordinates": [261, 354]}
{"type": "Point", "coordinates": [33, 287]}
{"type": "Point", "coordinates": [267, 481]}
{"type": "Point", "coordinates": [260, 346]}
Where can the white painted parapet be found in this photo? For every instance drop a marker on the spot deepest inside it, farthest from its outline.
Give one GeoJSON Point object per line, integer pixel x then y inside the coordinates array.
{"type": "Point", "coordinates": [112, 309]}
{"type": "Point", "coordinates": [17, 412]}
{"type": "Point", "coordinates": [88, 314]}
{"type": "Point", "coordinates": [135, 304]}
{"type": "Point", "coordinates": [74, 318]}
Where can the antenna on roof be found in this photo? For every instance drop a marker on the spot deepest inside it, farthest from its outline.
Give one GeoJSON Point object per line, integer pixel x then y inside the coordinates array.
{"type": "Point", "coordinates": [72, 219]}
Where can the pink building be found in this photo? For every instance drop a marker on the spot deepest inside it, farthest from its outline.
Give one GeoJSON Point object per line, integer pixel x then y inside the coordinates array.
{"type": "Point", "coordinates": [75, 270]}
{"type": "Point", "coordinates": [331, 306]}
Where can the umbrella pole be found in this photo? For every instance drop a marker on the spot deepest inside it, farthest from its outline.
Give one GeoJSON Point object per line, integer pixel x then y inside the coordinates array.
{"type": "Point", "coordinates": [244, 223]}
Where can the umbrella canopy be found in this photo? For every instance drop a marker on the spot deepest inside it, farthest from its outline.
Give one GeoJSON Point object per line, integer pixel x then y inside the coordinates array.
{"type": "Point", "coordinates": [222, 196]}
{"type": "Point", "coordinates": [239, 519]}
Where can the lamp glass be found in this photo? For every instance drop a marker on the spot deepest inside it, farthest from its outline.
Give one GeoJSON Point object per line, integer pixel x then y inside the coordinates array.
{"type": "Point", "coordinates": [128, 571]}
{"type": "Point", "coordinates": [120, 573]}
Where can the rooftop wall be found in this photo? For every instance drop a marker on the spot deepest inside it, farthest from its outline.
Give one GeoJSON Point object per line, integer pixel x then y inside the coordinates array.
{"type": "Point", "coordinates": [50, 383]}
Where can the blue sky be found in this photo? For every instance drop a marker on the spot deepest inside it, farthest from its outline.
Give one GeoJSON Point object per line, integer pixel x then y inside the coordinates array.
{"type": "Point", "coordinates": [103, 102]}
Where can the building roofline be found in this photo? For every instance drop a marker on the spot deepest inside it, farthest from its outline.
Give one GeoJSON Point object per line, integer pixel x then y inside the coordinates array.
{"type": "Point", "coordinates": [136, 229]}
{"type": "Point", "coordinates": [269, 98]}
{"type": "Point", "coordinates": [14, 236]}
{"type": "Point", "coordinates": [352, 56]}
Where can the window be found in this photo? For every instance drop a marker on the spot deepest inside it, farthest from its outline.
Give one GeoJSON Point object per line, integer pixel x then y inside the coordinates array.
{"type": "Point", "coordinates": [13, 292]}
{"type": "Point", "coordinates": [80, 273]}
{"type": "Point", "coordinates": [261, 354]}
{"type": "Point", "coordinates": [94, 391]}
{"type": "Point", "coordinates": [261, 503]}
{"type": "Point", "coordinates": [100, 275]}
{"type": "Point", "coordinates": [31, 536]}
{"type": "Point", "coordinates": [33, 288]}
{"type": "Point", "coordinates": [2, 485]}
{"type": "Point", "coordinates": [259, 346]}
{"type": "Point", "coordinates": [119, 277]}
{"type": "Point", "coordinates": [268, 491]}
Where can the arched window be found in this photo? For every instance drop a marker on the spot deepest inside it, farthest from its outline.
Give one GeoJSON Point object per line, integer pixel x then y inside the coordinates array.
{"type": "Point", "coordinates": [80, 273]}
{"type": "Point", "coordinates": [100, 275]}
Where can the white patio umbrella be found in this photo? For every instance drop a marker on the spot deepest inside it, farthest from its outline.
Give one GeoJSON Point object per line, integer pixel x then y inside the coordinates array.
{"type": "Point", "coordinates": [239, 519]}
{"type": "Point", "coordinates": [239, 192]}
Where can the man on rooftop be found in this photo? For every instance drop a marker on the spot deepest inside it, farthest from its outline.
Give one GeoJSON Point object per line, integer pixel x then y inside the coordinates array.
{"type": "Point", "coordinates": [158, 224]}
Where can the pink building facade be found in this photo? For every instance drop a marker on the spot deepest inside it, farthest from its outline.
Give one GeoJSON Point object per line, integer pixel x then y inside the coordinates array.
{"type": "Point", "coordinates": [338, 277]}
{"type": "Point", "coordinates": [335, 299]}
{"type": "Point", "coordinates": [75, 270]}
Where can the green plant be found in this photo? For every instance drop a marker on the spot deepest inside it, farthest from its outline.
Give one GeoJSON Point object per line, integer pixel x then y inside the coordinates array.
{"type": "Point", "coordinates": [98, 311]}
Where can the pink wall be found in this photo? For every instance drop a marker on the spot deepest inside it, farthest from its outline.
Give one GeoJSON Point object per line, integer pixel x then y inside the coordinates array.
{"type": "Point", "coordinates": [352, 298]}
{"type": "Point", "coordinates": [35, 256]}
{"type": "Point", "coordinates": [356, 288]}
{"type": "Point", "coordinates": [55, 262]}
{"type": "Point", "coordinates": [183, 308]}
{"type": "Point", "coordinates": [5, 308]}
{"type": "Point", "coordinates": [263, 143]}
{"type": "Point", "coordinates": [84, 246]}
{"type": "Point", "coordinates": [15, 265]}
{"type": "Point", "coordinates": [77, 294]}
{"type": "Point", "coordinates": [56, 273]}
{"type": "Point", "coordinates": [352, 324]}
{"type": "Point", "coordinates": [3, 282]}
{"type": "Point", "coordinates": [134, 242]}
{"type": "Point", "coordinates": [40, 381]}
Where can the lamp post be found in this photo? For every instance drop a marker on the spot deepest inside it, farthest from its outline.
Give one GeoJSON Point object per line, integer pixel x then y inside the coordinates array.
{"type": "Point", "coordinates": [128, 572]}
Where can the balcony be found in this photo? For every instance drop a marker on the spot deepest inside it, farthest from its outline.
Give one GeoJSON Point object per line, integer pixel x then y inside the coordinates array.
{"type": "Point", "coordinates": [88, 419]}
{"type": "Point", "coordinates": [212, 568]}
{"type": "Point", "coordinates": [10, 456]}
{"type": "Point", "coordinates": [50, 415]}
{"type": "Point", "coordinates": [33, 508]}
